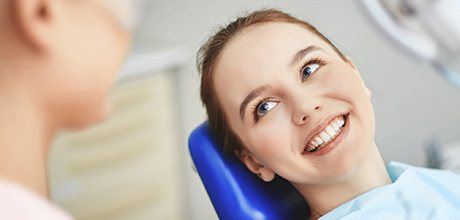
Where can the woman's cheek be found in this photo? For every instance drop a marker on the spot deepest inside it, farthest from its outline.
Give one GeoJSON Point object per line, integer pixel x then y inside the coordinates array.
{"type": "Point", "coordinates": [270, 137]}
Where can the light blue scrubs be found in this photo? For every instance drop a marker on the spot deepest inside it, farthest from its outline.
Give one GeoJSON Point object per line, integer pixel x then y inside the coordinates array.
{"type": "Point", "coordinates": [416, 193]}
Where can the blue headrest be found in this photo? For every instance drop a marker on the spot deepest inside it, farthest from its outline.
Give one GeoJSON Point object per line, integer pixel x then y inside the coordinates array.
{"type": "Point", "coordinates": [235, 192]}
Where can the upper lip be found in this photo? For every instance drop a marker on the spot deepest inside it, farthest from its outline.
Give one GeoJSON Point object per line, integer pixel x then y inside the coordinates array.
{"type": "Point", "coordinates": [322, 125]}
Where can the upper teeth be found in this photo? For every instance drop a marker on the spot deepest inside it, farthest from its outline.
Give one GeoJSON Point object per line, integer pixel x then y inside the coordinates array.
{"type": "Point", "coordinates": [326, 135]}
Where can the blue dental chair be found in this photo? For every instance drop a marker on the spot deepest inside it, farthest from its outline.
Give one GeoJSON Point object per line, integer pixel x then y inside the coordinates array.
{"type": "Point", "coordinates": [235, 192]}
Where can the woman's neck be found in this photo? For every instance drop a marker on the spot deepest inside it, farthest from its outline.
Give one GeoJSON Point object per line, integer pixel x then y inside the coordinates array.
{"type": "Point", "coordinates": [24, 139]}
{"type": "Point", "coordinates": [370, 175]}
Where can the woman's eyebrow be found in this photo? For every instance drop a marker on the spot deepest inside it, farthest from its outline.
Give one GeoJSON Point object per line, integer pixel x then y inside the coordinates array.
{"type": "Point", "coordinates": [251, 96]}
{"type": "Point", "coordinates": [302, 53]}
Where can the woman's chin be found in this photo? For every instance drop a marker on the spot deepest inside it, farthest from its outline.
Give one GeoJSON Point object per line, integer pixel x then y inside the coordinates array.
{"type": "Point", "coordinates": [340, 166]}
{"type": "Point", "coordinates": [88, 117]}
{"type": "Point", "coordinates": [345, 167]}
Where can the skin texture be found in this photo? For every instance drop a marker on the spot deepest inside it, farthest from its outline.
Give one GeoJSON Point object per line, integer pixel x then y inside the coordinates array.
{"type": "Point", "coordinates": [58, 60]}
{"type": "Point", "coordinates": [260, 56]}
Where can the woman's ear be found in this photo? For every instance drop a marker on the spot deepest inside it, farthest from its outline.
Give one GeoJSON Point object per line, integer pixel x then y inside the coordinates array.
{"type": "Point", "coordinates": [350, 62]}
{"type": "Point", "coordinates": [255, 166]}
{"type": "Point", "coordinates": [34, 20]}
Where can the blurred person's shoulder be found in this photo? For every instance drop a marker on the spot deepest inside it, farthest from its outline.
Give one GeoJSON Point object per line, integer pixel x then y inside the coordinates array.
{"type": "Point", "coordinates": [20, 203]}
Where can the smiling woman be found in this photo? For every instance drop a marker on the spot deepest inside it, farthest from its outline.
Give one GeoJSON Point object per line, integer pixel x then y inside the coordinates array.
{"type": "Point", "coordinates": [286, 101]}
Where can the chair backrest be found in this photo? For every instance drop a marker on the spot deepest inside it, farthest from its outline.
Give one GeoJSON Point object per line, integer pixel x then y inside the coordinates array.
{"type": "Point", "coordinates": [235, 192]}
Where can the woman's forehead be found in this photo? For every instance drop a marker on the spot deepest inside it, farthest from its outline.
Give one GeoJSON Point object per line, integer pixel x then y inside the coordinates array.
{"type": "Point", "coordinates": [249, 58]}
{"type": "Point", "coordinates": [266, 46]}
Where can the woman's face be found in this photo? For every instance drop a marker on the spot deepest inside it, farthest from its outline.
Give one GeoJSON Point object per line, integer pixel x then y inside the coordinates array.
{"type": "Point", "coordinates": [88, 49]}
{"type": "Point", "coordinates": [300, 110]}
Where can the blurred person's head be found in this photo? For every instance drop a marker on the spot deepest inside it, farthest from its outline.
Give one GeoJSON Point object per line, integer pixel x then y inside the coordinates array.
{"type": "Point", "coordinates": [270, 84]}
{"type": "Point", "coordinates": [64, 54]}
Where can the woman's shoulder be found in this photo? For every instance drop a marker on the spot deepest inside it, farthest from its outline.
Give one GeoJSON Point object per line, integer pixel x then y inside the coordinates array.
{"type": "Point", "coordinates": [18, 202]}
{"type": "Point", "coordinates": [431, 177]}
{"type": "Point", "coordinates": [416, 192]}
{"type": "Point", "coordinates": [427, 184]}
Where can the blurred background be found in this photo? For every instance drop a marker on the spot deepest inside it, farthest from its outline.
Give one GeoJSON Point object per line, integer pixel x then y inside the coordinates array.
{"type": "Point", "coordinates": [136, 164]}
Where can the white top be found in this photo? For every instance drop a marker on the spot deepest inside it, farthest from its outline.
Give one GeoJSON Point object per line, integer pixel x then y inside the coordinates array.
{"type": "Point", "coordinates": [416, 193]}
{"type": "Point", "coordinates": [20, 203]}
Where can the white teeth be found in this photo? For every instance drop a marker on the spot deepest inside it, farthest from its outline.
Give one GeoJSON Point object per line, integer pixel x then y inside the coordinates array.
{"type": "Point", "coordinates": [314, 143]}
{"type": "Point", "coordinates": [319, 140]}
{"type": "Point", "coordinates": [341, 122]}
{"type": "Point", "coordinates": [335, 126]}
{"type": "Point", "coordinates": [330, 131]}
{"type": "Point", "coordinates": [325, 136]}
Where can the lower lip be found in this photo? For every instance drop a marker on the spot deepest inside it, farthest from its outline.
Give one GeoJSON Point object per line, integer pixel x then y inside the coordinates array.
{"type": "Point", "coordinates": [333, 144]}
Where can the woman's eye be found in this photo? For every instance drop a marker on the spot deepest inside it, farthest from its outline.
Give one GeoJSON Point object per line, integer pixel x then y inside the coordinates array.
{"type": "Point", "coordinates": [265, 107]}
{"type": "Point", "coordinates": [309, 69]}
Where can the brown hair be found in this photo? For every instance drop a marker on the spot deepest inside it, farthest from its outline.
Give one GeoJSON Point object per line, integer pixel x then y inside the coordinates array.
{"type": "Point", "coordinates": [206, 61]}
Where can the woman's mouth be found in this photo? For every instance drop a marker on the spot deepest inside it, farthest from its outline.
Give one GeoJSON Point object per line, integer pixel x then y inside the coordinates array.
{"type": "Point", "coordinates": [329, 134]}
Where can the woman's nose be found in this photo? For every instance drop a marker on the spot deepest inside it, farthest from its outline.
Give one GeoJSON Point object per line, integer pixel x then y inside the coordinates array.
{"type": "Point", "coordinates": [303, 113]}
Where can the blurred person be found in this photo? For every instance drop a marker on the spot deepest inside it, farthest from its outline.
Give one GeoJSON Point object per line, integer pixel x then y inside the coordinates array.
{"type": "Point", "coordinates": [286, 101]}
{"type": "Point", "coordinates": [58, 61]}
